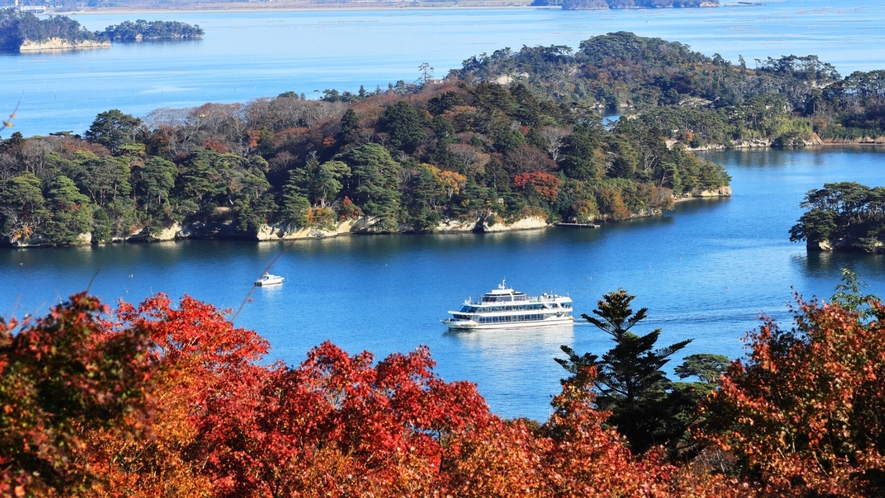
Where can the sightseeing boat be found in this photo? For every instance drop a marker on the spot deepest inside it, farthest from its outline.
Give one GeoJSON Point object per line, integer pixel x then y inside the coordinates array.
{"type": "Point", "coordinates": [268, 279]}
{"type": "Point", "coordinates": [505, 308]}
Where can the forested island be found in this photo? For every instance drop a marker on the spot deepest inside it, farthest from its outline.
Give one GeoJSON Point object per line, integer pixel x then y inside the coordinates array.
{"type": "Point", "coordinates": [22, 31]}
{"type": "Point", "coordinates": [142, 30]}
{"type": "Point", "coordinates": [700, 101]}
{"type": "Point", "coordinates": [843, 216]}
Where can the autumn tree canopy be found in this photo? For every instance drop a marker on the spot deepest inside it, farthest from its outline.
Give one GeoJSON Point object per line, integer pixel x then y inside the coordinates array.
{"type": "Point", "coordinates": [166, 400]}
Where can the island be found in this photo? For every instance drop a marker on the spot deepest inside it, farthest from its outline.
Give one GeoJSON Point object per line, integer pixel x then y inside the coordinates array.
{"type": "Point", "coordinates": [843, 216]}
{"type": "Point", "coordinates": [142, 30]}
{"type": "Point", "coordinates": [699, 101]}
{"type": "Point", "coordinates": [625, 4]}
{"type": "Point", "coordinates": [22, 31]}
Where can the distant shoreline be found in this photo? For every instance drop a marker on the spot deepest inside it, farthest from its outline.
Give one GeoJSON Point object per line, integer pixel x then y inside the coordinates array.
{"type": "Point", "coordinates": [297, 6]}
{"type": "Point", "coordinates": [302, 7]}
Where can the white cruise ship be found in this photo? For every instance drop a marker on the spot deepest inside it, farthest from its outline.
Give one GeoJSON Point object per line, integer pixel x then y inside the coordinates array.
{"type": "Point", "coordinates": [504, 308]}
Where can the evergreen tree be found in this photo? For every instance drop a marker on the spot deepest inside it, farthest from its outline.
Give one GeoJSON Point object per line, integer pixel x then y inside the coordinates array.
{"type": "Point", "coordinates": [630, 381]}
{"type": "Point", "coordinates": [404, 125]}
{"type": "Point", "coordinates": [113, 129]}
{"type": "Point", "coordinates": [71, 212]}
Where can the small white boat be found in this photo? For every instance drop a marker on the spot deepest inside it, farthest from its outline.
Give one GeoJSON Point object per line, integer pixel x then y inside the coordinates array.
{"type": "Point", "coordinates": [505, 308]}
{"type": "Point", "coordinates": [268, 279]}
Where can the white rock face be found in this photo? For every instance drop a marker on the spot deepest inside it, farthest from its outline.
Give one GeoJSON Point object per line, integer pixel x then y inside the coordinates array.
{"type": "Point", "coordinates": [170, 233]}
{"type": "Point", "coordinates": [60, 44]}
{"type": "Point", "coordinates": [720, 192]}
{"type": "Point", "coordinates": [292, 232]}
{"type": "Point", "coordinates": [530, 223]}
{"type": "Point", "coordinates": [456, 226]}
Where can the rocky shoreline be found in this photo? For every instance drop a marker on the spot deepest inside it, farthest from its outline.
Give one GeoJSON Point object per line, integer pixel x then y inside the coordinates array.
{"type": "Point", "coordinates": [53, 44]}
{"type": "Point", "coordinates": [760, 143]}
{"type": "Point", "coordinates": [362, 226]}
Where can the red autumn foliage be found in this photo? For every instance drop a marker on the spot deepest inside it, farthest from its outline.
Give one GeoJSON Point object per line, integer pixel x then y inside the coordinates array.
{"type": "Point", "coordinates": [546, 185]}
{"type": "Point", "coordinates": [805, 414]}
{"type": "Point", "coordinates": [216, 146]}
{"type": "Point", "coordinates": [176, 401]}
{"type": "Point", "coordinates": [60, 377]}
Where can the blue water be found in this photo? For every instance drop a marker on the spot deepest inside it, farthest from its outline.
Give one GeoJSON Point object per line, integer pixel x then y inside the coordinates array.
{"type": "Point", "coordinates": [244, 56]}
{"type": "Point", "coordinates": [706, 271]}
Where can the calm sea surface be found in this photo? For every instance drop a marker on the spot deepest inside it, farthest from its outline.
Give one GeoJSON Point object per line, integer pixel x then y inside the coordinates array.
{"type": "Point", "coordinates": [706, 271]}
{"type": "Point", "coordinates": [250, 55]}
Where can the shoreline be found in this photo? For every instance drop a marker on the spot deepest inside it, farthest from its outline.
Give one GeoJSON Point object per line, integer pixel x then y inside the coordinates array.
{"type": "Point", "coordinates": [296, 6]}
{"type": "Point", "coordinates": [272, 233]}
{"type": "Point", "coordinates": [303, 7]}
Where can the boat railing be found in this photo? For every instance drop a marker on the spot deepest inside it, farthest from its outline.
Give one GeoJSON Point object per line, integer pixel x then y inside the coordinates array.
{"type": "Point", "coordinates": [545, 298]}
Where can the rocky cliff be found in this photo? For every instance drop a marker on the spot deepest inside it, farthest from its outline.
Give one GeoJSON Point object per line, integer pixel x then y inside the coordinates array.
{"type": "Point", "coordinates": [61, 44]}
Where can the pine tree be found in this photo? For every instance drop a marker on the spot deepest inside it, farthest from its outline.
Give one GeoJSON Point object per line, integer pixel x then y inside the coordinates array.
{"type": "Point", "coordinates": [630, 381]}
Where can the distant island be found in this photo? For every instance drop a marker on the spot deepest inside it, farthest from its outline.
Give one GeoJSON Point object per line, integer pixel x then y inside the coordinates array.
{"type": "Point", "coordinates": [22, 31]}
{"type": "Point", "coordinates": [625, 4]}
{"type": "Point", "coordinates": [142, 30]}
{"type": "Point", "coordinates": [284, 5]}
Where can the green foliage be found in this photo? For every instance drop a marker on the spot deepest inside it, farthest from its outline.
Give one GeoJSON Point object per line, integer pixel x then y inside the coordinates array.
{"type": "Point", "coordinates": [22, 207]}
{"type": "Point", "coordinates": [113, 129]}
{"type": "Point", "coordinates": [848, 295]}
{"type": "Point", "coordinates": [696, 99]}
{"type": "Point", "coordinates": [151, 30]}
{"type": "Point", "coordinates": [154, 182]}
{"type": "Point", "coordinates": [17, 27]}
{"type": "Point", "coordinates": [226, 170]}
{"type": "Point", "coordinates": [847, 214]}
{"type": "Point", "coordinates": [373, 183]}
{"type": "Point", "coordinates": [294, 203]}
{"type": "Point", "coordinates": [404, 126]}
{"type": "Point", "coordinates": [630, 380]}
{"type": "Point", "coordinates": [71, 213]}
{"type": "Point", "coordinates": [581, 155]}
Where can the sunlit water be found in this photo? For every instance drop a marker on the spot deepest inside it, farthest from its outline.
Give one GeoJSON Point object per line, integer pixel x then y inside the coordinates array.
{"type": "Point", "coordinates": [249, 55]}
{"type": "Point", "coordinates": [706, 271]}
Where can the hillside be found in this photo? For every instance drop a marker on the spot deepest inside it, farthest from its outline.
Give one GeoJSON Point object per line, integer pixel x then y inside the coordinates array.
{"type": "Point", "coordinates": [447, 156]}
{"type": "Point", "coordinates": [698, 100]}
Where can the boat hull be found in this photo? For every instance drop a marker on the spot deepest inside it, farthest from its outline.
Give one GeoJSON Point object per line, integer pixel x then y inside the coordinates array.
{"type": "Point", "coordinates": [268, 279]}
{"type": "Point", "coordinates": [472, 325]}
